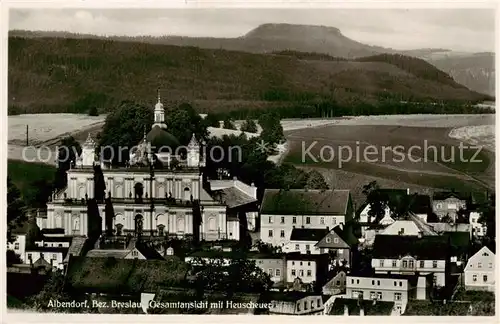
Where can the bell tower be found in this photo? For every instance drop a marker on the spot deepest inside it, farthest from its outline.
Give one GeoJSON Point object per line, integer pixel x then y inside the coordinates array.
{"type": "Point", "coordinates": [159, 114]}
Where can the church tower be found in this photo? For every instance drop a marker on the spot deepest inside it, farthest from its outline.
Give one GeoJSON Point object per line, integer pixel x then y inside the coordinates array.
{"type": "Point", "coordinates": [193, 153]}
{"type": "Point", "coordinates": [88, 152]}
{"type": "Point", "coordinates": [159, 114]}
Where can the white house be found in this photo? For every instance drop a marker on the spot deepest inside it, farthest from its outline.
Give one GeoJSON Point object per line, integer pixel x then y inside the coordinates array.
{"type": "Point", "coordinates": [18, 245]}
{"type": "Point", "coordinates": [478, 229]}
{"type": "Point", "coordinates": [307, 268]}
{"type": "Point", "coordinates": [48, 252]}
{"type": "Point", "coordinates": [480, 271]}
{"type": "Point", "coordinates": [284, 210]}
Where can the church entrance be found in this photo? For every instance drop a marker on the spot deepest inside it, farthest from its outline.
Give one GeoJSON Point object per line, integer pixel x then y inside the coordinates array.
{"type": "Point", "coordinates": [138, 225]}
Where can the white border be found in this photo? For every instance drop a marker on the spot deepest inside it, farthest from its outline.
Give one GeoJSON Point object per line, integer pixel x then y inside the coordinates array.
{"type": "Point", "coordinates": [201, 4]}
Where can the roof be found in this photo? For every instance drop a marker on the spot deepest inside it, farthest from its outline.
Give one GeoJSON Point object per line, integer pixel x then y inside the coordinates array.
{"type": "Point", "coordinates": [308, 234]}
{"type": "Point", "coordinates": [55, 239]}
{"type": "Point", "coordinates": [149, 252]}
{"type": "Point", "coordinates": [232, 197]}
{"type": "Point", "coordinates": [410, 278]}
{"type": "Point", "coordinates": [423, 227]}
{"type": "Point", "coordinates": [346, 234]}
{"type": "Point", "coordinates": [397, 246]}
{"type": "Point", "coordinates": [305, 202]}
{"type": "Point", "coordinates": [289, 296]}
{"type": "Point", "coordinates": [369, 307]}
{"type": "Point", "coordinates": [52, 231]}
{"type": "Point", "coordinates": [447, 227]}
{"type": "Point", "coordinates": [442, 195]}
{"type": "Point", "coordinates": [107, 253]}
{"type": "Point", "coordinates": [159, 138]}
{"type": "Point", "coordinates": [124, 276]}
{"type": "Point", "coordinates": [76, 247]}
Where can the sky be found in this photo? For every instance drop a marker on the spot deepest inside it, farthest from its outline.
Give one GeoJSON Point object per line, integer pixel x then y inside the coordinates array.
{"type": "Point", "coordinates": [469, 30]}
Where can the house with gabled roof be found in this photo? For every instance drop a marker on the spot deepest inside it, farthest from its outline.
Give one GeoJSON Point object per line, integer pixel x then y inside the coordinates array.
{"type": "Point", "coordinates": [304, 240]}
{"type": "Point", "coordinates": [338, 243]}
{"type": "Point", "coordinates": [283, 210]}
{"type": "Point", "coordinates": [136, 249]}
{"type": "Point", "coordinates": [448, 203]}
{"type": "Point", "coordinates": [479, 272]}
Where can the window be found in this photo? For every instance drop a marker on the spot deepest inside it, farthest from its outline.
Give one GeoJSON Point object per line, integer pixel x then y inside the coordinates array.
{"type": "Point", "coordinates": [485, 254]}
{"type": "Point", "coordinates": [282, 220]}
{"type": "Point", "coordinates": [434, 264]}
{"type": "Point", "coordinates": [372, 295]}
{"type": "Point", "coordinates": [485, 278]}
{"type": "Point", "coordinates": [29, 256]}
{"type": "Point", "coordinates": [282, 233]}
{"type": "Point", "coordinates": [379, 295]}
{"type": "Point", "coordinates": [378, 282]}
{"type": "Point", "coordinates": [278, 272]}
{"type": "Point", "coordinates": [322, 220]}
{"type": "Point", "coordinates": [308, 220]}
{"type": "Point", "coordinates": [270, 271]}
{"type": "Point", "coordinates": [335, 240]}
{"type": "Point", "coordinates": [54, 256]}
{"type": "Point", "coordinates": [334, 221]}
{"type": "Point", "coordinates": [439, 206]}
{"type": "Point", "coordinates": [16, 246]}
{"type": "Point", "coordinates": [337, 283]}
{"type": "Point", "coordinates": [270, 233]}
{"type": "Point", "coordinates": [318, 302]}
{"type": "Point", "coordinates": [60, 245]}
{"type": "Point", "coordinates": [397, 296]}
{"type": "Point", "coordinates": [135, 253]}
{"type": "Point", "coordinates": [422, 264]}
{"type": "Point", "coordinates": [294, 220]}
{"type": "Point", "coordinates": [301, 273]}
{"type": "Point", "coordinates": [400, 284]}
{"type": "Point", "coordinates": [308, 247]}
{"type": "Point", "coordinates": [297, 247]}
{"type": "Point", "coordinates": [298, 307]}
{"type": "Point", "coordinates": [373, 282]}
{"type": "Point", "coordinates": [41, 256]}
{"type": "Point", "coordinates": [474, 278]}
{"type": "Point", "coordinates": [341, 251]}
{"type": "Point", "coordinates": [395, 283]}
{"type": "Point", "coordinates": [305, 305]}
{"type": "Point", "coordinates": [300, 262]}
{"type": "Point", "coordinates": [309, 273]}
{"type": "Point", "coordinates": [405, 263]}
{"type": "Point", "coordinates": [402, 230]}
{"type": "Point", "coordinates": [411, 263]}
{"type": "Point", "coordinates": [312, 304]}
{"type": "Point", "coordinates": [381, 263]}
{"type": "Point", "coordinates": [328, 240]}
{"type": "Point", "coordinates": [309, 263]}
{"type": "Point", "coordinates": [357, 281]}
{"type": "Point", "coordinates": [352, 281]}
{"type": "Point", "coordinates": [394, 263]}
{"type": "Point", "coordinates": [293, 272]}
{"type": "Point", "coordinates": [270, 219]}
{"type": "Point", "coordinates": [479, 265]}
{"type": "Point", "coordinates": [490, 265]}
{"type": "Point", "coordinates": [293, 262]}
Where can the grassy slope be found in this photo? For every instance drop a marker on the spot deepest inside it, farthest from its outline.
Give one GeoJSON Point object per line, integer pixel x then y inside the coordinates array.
{"type": "Point", "coordinates": [42, 80]}
{"type": "Point", "coordinates": [23, 174]}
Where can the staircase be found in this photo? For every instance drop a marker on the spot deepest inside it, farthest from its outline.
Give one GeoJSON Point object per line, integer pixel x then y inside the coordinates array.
{"type": "Point", "coordinates": [76, 247]}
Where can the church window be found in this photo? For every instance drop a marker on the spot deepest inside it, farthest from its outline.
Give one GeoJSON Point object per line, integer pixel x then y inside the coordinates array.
{"type": "Point", "coordinates": [161, 229]}
{"type": "Point", "coordinates": [180, 225]}
{"type": "Point", "coordinates": [187, 194]}
{"type": "Point", "coordinates": [211, 224]}
{"type": "Point", "coordinates": [58, 221]}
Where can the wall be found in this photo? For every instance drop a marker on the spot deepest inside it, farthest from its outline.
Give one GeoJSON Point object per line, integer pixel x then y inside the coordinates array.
{"type": "Point", "coordinates": [18, 245]}
{"type": "Point", "coordinates": [384, 289]}
{"type": "Point", "coordinates": [305, 270]}
{"type": "Point", "coordinates": [387, 266]}
{"type": "Point", "coordinates": [275, 266]}
{"type": "Point", "coordinates": [276, 223]}
{"type": "Point", "coordinates": [409, 227]}
{"type": "Point", "coordinates": [292, 247]}
{"type": "Point", "coordinates": [479, 265]}
{"type": "Point", "coordinates": [35, 255]}
{"type": "Point", "coordinates": [448, 206]}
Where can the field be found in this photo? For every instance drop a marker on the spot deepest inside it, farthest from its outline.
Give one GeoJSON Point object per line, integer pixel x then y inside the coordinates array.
{"type": "Point", "coordinates": [373, 142]}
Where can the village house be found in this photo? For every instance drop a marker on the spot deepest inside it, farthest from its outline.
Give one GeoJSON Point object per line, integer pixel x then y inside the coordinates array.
{"type": "Point", "coordinates": [337, 284]}
{"type": "Point", "coordinates": [135, 249]}
{"type": "Point", "coordinates": [389, 288]}
{"type": "Point", "coordinates": [284, 210]}
{"type": "Point", "coordinates": [479, 272]}
{"type": "Point", "coordinates": [272, 264]}
{"type": "Point", "coordinates": [304, 240]}
{"type": "Point", "coordinates": [48, 252]}
{"type": "Point", "coordinates": [478, 229]}
{"type": "Point", "coordinates": [410, 255]}
{"type": "Point", "coordinates": [448, 204]}
{"type": "Point", "coordinates": [18, 245]}
{"type": "Point", "coordinates": [307, 268]}
{"type": "Point", "coordinates": [339, 244]}
{"type": "Point", "coordinates": [411, 225]}
{"type": "Point", "coordinates": [296, 303]}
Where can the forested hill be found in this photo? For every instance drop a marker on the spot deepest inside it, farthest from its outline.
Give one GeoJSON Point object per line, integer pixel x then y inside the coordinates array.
{"type": "Point", "coordinates": [64, 75]}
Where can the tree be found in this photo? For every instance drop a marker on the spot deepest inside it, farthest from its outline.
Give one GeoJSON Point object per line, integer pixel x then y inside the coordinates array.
{"type": "Point", "coordinates": [93, 111]}
{"type": "Point", "coordinates": [99, 184]}
{"type": "Point", "coordinates": [228, 123]}
{"type": "Point", "coordinates": [123, 129]}
{"type": "Point", "coordinates": [249, 125]}
{"type": "Point", "coordinates": [487, 218]}
{"type": "Point", "coordinates": [376, 201]}
{"type": "Point", "coordinates": [211, 120]}
{"type": "Point", "coordinates": [272, 131]}
{"type": "Point", "coordinates": [33, 233]}
{"type": "Point", "coordinates": [67, 154]}
{"type": "Point", "coordinates": [13, 258]}
{"type": "Point", "coordinates": [109, 214]}
{"type": "Point", "coordinates": [15, 206]}
{"type": "Point", "coordinates": [315, 180]}
{"type": "Point", "coordinates": [183, 121]}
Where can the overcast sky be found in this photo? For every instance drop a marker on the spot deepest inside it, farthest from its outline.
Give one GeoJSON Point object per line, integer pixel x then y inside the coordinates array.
{"type": "Point", "coordinates": [457, 29]}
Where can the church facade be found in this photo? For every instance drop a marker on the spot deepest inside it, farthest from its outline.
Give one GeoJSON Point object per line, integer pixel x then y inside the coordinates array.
{"type": "Point", "coordinates": [146, 202]}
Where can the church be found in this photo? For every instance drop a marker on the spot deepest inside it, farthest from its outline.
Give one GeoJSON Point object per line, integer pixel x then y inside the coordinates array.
{"type": "Point", "coordinates": [155, 194]}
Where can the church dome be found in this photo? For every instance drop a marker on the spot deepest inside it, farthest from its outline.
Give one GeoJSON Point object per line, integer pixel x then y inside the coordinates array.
{"type": "Point", "coordinates": [158, 138]}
